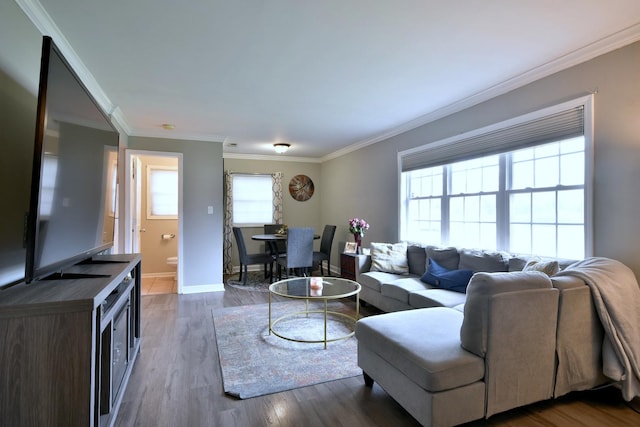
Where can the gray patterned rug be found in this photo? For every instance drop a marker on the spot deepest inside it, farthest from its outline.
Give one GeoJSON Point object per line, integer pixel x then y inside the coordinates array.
{"type": "Point", "coordinates": [254, 363]}
{"type": "Point", "coordinates": [255, 282]}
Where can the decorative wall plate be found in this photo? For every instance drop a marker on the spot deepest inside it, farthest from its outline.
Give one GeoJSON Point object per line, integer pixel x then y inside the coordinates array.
{"type": "Point", "coordinates": [301, 188]}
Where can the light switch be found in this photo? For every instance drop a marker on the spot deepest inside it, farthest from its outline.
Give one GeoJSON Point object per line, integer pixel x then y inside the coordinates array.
{"type": "Point", "coordinates": [210, 210]}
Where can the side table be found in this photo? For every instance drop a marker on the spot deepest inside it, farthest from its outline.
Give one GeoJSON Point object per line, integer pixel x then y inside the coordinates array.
{"type": "Point", "coordinates": [348, 265]}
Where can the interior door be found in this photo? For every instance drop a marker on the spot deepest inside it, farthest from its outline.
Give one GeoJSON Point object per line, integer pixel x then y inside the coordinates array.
{"type": "Point", "coordinates": [136, 203]}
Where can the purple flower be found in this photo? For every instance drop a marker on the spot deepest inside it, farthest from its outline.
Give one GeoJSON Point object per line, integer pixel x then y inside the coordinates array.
{"type": "Point", "coordinates": [358, 226]}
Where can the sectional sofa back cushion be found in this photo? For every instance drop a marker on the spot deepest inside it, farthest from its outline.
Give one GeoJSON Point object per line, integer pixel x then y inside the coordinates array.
{"type": "Point", "coordinates": [446, 257]}
{"type": "Point", "coordinates": [417, 259]}
{"type": "Point", "coordinates": [482, 287]}
{"type": "Point", "coordinates": [389, 257]}
{"type": "Point", "coordinates": [477, 260]}
{"type": "Point", "coordinates": [440, 277]}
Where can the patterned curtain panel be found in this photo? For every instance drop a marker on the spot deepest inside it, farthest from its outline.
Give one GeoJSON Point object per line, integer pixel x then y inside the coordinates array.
{"type": "Point", "coordinates": [277, 197]}
{"type": "Point", "coordinates": [228, 221]}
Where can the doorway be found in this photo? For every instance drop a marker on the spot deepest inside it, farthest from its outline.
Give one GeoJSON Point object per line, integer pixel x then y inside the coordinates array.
{"type": "Point", "coordinates": [153, 221]}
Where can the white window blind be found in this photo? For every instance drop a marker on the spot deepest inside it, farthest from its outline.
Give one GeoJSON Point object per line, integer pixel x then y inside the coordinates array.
{"type": "Point", "coordinates": [506, 136]}
{"type": "Point", "coordinates": [162, 193]}
{"type": "Point", "coordinates": [252, 199]}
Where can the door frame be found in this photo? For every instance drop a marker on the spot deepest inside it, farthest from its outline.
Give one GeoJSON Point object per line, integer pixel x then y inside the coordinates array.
{"type": "Point", "coordinates": [132, 202]}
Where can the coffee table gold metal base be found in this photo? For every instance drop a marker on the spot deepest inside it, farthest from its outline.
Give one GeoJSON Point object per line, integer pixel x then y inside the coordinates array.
{"type": "Point", "coordinates": [306, 288]}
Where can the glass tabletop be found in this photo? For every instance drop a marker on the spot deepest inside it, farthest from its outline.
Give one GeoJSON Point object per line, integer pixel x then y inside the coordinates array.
{"type": "Point", "coordinates": [315, 287]}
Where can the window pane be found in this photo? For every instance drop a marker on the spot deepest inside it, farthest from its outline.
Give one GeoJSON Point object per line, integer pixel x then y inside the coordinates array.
{"type": "Point", "coordinates": [520, 238]}
{"type": "Point", "coordinates": [520, 208]}
{"type": "Point", "coordinates": [571, 206]}
{"type": "Point", "coordinates": [472, 208]}
{"type": "Point", "coordinates": [546, 172]}
{"type": "Point", "coordinates": [252, 199]}
{"type": "Point", "coordinates": [488, 208]}
{"type": "Point", "coordinates": [162, 189]}
{"type": "Point", "coordinates": [543, 207]}
{"type": "Point", "coordinates": [456, 208]}
{"type": "Point", "coordinates": [543, 239]}
{"type": "Point", "coordinates": [522, 175]}
{"type": "Point", "coordinates": [490, 178]}
{"type": "Point", "coordinates": [572, 169]}
{"type": "Point", "coordinates": [571, 241]}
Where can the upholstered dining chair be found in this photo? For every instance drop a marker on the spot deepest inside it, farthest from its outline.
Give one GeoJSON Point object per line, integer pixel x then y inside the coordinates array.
{"type": "Point", "coordinates": [249, 259]}
{"type": "Point", "coordinates": [324, 254]}
{"type": "Point", "coordinates": [299, 251]}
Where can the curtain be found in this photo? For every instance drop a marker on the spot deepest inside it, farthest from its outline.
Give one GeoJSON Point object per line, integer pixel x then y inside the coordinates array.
{"type": "Point", "coordinates": [228, 222]}
{"type": "Point", "coordinates": [277, 197]}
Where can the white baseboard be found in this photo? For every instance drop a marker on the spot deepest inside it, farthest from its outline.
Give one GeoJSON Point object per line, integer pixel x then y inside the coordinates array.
{"type": "Point", "coordinates": [217, 287]}
{"type": "Point", "coordinates": [152, 275]}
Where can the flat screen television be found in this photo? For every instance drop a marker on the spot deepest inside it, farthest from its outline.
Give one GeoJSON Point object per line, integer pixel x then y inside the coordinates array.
{"type": "Point", "coordinates": [73, 205]}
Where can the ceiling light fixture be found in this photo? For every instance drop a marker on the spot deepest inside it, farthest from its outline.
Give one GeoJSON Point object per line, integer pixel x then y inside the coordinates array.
{"type": "Point", "coordinates": [168, 126]}
{"type": "Point", "coordinates": [281, 147]}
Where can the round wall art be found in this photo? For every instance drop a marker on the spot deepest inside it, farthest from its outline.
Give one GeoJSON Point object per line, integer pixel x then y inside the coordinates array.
{"type": "Point", "coordinates": [301, 188]}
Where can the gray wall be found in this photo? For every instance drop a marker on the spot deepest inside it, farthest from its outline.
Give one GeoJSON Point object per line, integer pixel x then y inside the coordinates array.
{"type": "Point", "coordinates": [202, 186]}
{"type": "Point", "coordinates": [19, 72]}
{"type": "Point", "coordinates": [365, 182]}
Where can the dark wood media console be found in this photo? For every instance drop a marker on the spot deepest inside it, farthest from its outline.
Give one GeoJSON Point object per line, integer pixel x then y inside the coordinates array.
{"type": "Point", "coordinates": [68, 345]}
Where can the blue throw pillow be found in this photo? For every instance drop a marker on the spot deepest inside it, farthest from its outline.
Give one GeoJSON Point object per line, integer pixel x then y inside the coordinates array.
{"type": "Point", "coordinates": [440, 277]}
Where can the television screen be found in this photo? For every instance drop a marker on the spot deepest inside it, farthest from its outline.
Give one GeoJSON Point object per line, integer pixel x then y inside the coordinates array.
{"type": "Point", "coordinates": [74, 185]}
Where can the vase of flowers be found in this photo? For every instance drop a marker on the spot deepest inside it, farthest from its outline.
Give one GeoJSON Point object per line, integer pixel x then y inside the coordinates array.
{"type": "Point", "coordinates": [357, 226]}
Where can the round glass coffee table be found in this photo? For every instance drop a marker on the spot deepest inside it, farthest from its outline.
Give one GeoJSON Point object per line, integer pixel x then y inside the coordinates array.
{"type": "Point", "coordinates": [315, 289]}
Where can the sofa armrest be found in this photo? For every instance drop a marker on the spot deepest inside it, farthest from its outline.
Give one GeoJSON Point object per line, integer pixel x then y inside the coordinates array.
{"type": "Point", "coordinates": [363, 264]}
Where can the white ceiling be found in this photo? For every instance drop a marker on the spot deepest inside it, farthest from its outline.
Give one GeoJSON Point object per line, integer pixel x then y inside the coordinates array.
{"type": "Point", "coordinates": [325, 76]}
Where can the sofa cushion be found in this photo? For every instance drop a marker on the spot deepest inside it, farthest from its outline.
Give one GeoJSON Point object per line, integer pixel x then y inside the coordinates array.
{"type": "Point", "coordinates": [517, 262]}
{"type": "Point", "coordinates": [481, 289]}
{"type": "Point", "coordinates": [436, 298]}
{"type": "Point", "coordinates": [477, 260]}
{"type": "Point", "coordinates": [547, 267]}
{"type": "Point", "coordinates": [401, 288]}
{"type": "Point", "coordinates": [440, 277]}
{"type": "Point", "coordinates": [424, 345]}
{"type": "Point", "coordinates": [447, 257]}
{"type": "Point", "coordinates": [417, 259]}
{"type": "Point", "coordinates": [389, 257]}
{"type": "Point", "coordinates": [374, 279]}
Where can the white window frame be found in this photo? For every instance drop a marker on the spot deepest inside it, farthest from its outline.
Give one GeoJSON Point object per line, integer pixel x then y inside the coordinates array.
{"type": "Point", "coordinates": [268, 217]}
{"type": "Point", "coordinates": [585, 102]}
{"type": "Point", "coordinates": [150, 170]}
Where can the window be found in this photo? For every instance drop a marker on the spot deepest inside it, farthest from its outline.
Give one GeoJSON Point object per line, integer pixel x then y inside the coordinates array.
{"type": "Point", "coordinates": [162, 192]}
{"type": "Point", "coordinates": [252, 199]}
{"type": "Point", "coordinates": [531, 198]}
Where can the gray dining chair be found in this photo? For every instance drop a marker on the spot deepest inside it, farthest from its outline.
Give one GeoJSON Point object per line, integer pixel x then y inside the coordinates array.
{"type": "Point", "coordinates": [299, 251]}
{"type": "Point", "coordinates": [249, 259]}
{"type": "Point", "coordinates": [324, 254]}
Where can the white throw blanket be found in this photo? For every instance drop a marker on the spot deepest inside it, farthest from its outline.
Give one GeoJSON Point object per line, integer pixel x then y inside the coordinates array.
{"type": "Point", "coordinates": [616, 296]}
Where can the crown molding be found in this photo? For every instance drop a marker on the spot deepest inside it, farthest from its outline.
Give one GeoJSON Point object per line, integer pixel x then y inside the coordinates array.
{"type": "Point", "coordinates": [607, 44]}
{"type": "Point", "coordinates": [43, 22]}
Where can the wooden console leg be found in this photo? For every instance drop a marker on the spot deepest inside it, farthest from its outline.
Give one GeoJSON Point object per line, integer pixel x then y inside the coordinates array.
{"type": "Point", "coordinates": [368, 381]}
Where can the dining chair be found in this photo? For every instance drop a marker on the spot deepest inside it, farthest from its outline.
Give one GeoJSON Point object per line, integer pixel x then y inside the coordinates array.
{"type": "Point", "coordinates": [299, 251]}
{"type": "Point", "coordinates": [324, 254]}
{"type": "Point", "coordinates": [275, 248]}
{"type": "Point", "coordinates": [249, 259]}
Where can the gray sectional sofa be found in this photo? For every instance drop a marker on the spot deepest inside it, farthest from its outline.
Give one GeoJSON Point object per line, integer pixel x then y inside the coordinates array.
{"type": "Point", "coordinates": [513, 338]}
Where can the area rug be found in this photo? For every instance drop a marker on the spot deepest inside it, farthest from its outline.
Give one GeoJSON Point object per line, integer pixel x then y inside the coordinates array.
{"type": "Point", "coordinates": [255, 282]}
{"type": "Point", "coordinates": [254, 363]}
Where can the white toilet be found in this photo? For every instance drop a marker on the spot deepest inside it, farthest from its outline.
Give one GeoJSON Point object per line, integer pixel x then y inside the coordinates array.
{"type": "Point", "coordinates": [172, 261]}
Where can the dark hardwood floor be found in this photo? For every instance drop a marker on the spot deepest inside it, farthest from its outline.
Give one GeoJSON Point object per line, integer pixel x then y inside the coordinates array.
{"type": "Point", "coordinates": [176, 382]}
